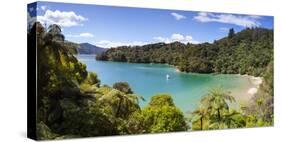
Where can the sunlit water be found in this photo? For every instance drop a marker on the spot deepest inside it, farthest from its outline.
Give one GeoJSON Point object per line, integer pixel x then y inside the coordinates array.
{"type": "Point", "coordinates": [150, 79]}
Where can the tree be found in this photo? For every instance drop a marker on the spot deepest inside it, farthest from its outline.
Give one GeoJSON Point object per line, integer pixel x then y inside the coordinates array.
{"type": "Point", "coordinates": [260, 110]}
{"type": "Point", "coordinates": [215, 112]}
{"type": "Point", "coordinates": [161, 115]}
{"type": "Point", "coordinates": [123, 86]}
{"type": "Point", "coordinates": [119, 103]}
{"type": "Point", "coordinates": [218, 100]}
{"type": "Point", "coordinates": [43, 132]}
{"type": "Point", "coordinates": [54, 31]}
{"type": "Point", "coordinates": [83, 117]}
{"type": "Point", "coordinates": [231, 33]}
{"type": "Point", "coordinates": [229, 119]}
{"type": "Point", "coordinates": [267, 86]}
{"type": "Point", "coordinates": [92, 79]}
{"type": "Point", "coordinates": [199, 115]}
{"type": "Point", "coordinates": [161, 100]}
{"type": "Point", "coordinates": [54, 41]}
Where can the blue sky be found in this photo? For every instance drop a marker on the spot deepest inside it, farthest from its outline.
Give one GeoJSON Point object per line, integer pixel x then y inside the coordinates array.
{"type": "Point", "coordinates": [114, 26]}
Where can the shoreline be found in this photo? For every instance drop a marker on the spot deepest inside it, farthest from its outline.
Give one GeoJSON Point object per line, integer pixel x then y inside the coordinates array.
{"type": "Point", "coordinates": [244, 95]}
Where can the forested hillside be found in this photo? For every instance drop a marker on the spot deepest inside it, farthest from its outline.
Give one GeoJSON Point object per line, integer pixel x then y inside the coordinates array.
{"type": "Point", "coordinates": [245, 52]}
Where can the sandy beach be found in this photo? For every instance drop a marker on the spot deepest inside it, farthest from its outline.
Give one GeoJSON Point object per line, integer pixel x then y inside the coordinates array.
{"type": "Point", "coordinates": [246, 92]}
{"type": "Point", "coordinates": [244, 95]}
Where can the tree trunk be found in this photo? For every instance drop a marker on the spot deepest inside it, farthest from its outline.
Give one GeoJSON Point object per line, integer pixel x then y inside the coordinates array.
{"type": "Point", "coordinates": [119, 107]}
{"type": "Point", "coordinates": [219, 115]}
{"type": "Point", "coordinates": [201, 124]}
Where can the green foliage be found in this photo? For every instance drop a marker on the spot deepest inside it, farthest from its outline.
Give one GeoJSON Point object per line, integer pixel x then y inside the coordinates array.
{"type": "Point", "coordinates": [83, 117]}
{"type": "Point", "coordinates": [267, 86]}
{"type": "Point", "coordinates": [260, 109]}
{"type": "Point", "coordinates": [161, 100]}
{"type": "Point", "coordinates": [214, 112]}
{"type": "Point", "coordinates": [119, 104]}
{"type": "Point", "coordinates": [245, 52]}
{"type": "Point", "coordinates": [123, 87]}
{"type": "Point", "coordinates": [67, 93]}
{"type": "Point", "coordinates": [44, 132]}
{"type": "Point", "coordinates": [217, 100]}
{"type": "Point", "coordinates": [228, 119]}
{"type": "Point", "coordinates": [200, 115]}
{"type": "Point", "coordinates": [161, 115]}
{"type": "Point", "coordinates": [163, 119]}
{"type": "Point", "coordinates": [92, 79]}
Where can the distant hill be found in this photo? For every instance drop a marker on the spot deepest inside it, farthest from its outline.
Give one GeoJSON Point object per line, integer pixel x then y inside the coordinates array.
{"type": "Point", "coordinates": [246, 52]}
{"type": "Point", "coordinates": [87, 48]}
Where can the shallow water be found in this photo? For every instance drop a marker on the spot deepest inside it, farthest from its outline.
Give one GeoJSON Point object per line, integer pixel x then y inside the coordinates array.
{"type": "Point", "coordinates": [150, 79]}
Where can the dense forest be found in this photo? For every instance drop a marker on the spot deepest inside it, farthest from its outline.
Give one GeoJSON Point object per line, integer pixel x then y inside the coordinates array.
{"type": "Point", "coordinates": [245, 52]}
{"type": "Point", "coordinates": [71, 102]}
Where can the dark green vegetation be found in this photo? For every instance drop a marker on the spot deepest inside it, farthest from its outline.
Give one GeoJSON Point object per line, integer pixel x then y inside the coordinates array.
{"type": "Point", "coordinates": [246, 52]}
{"type": "Point", "coordinates": [87, 48]}
{"type": "Point", "coordinates": [72, 103]}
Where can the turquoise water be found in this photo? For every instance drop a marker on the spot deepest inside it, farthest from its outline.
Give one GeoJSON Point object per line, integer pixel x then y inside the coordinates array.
{"type": "Point", "coordinates": [150, 79]}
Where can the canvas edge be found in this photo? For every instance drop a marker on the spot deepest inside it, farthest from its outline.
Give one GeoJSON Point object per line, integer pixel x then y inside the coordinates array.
{"type": "Point", "coordinates": [31, 85]}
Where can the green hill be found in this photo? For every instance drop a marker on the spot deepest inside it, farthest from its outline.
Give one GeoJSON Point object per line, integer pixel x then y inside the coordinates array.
{"type": "Point", "coordinates": [245, 52]}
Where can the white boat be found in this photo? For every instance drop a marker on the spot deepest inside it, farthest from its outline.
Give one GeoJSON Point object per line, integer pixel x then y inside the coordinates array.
{"type": "Point", "coordinates": [167, 76]}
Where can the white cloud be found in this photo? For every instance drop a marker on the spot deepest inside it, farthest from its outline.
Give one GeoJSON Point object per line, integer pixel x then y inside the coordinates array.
{"type": "Point", "coordinates": [244, 21]}
{"type": "Point", "coordinates": [86, 35]}
{"type": "Point", "coordinates": [224, 29]}
{"type": "Point", "coordinates": [176, 37]}
{"type": "Point", "coordinates": [62, 18]}
{"type": "Point", "coordinates": [178, 16]}
{"type": "Point", "coordinates": [43, 7]}
{"type": "Point", "coordinates": [30, 20]}
{"type": "Point", "coordinates": [173, 38]}
{"type": "Point", "coordinates": [160, 39]}
{"type": "Point", "coordinates": [109, 44]}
